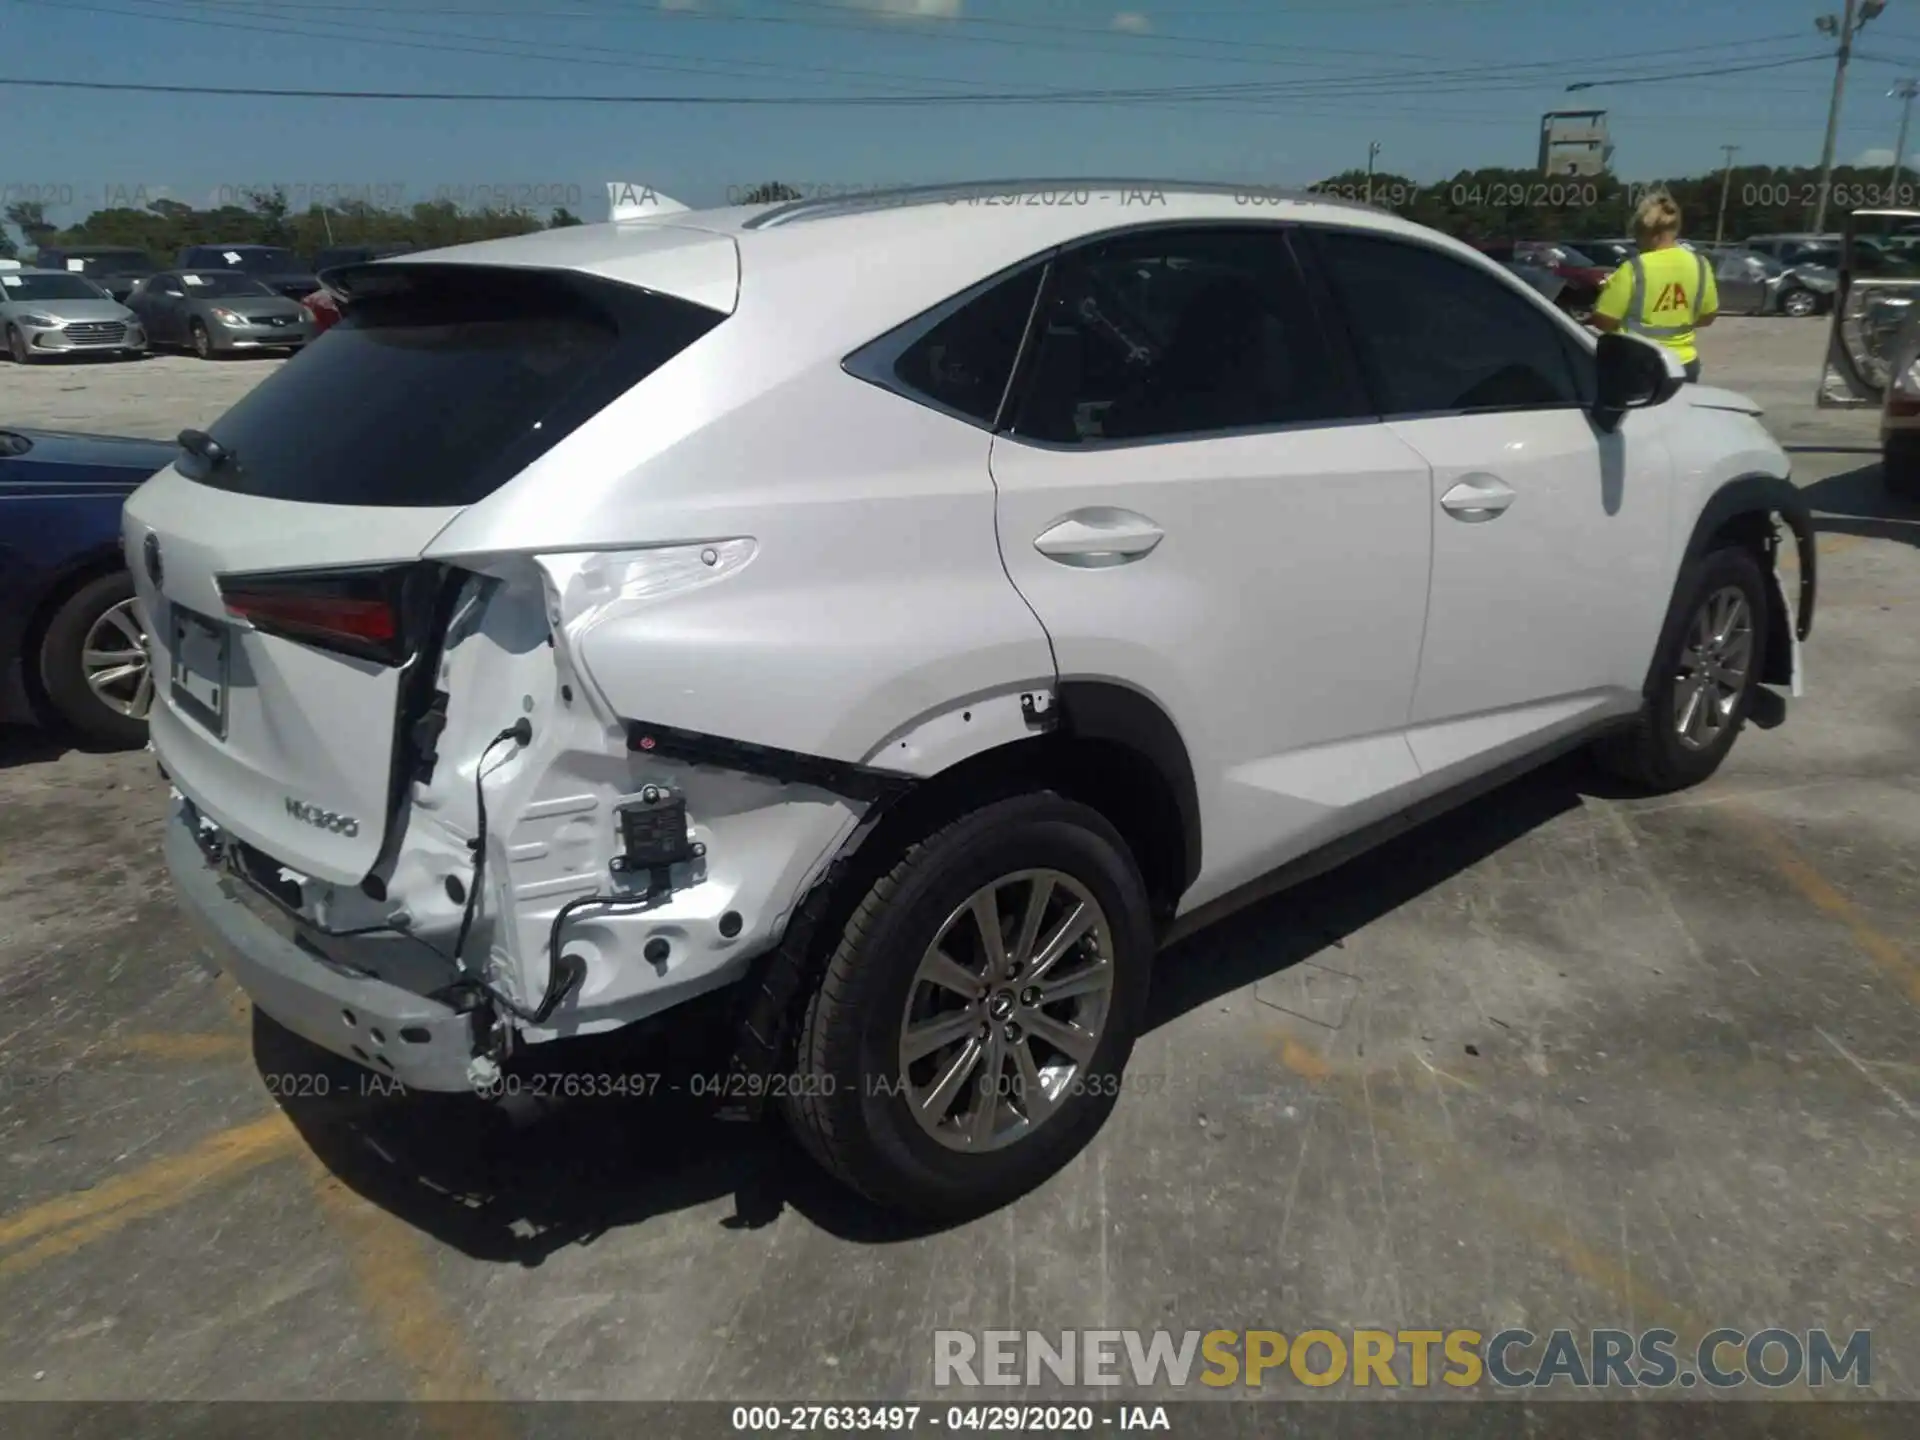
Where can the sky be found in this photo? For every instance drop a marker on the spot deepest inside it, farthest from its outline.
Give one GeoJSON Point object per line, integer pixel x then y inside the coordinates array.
{"type": "Point", "coordinates": [1276, 92]}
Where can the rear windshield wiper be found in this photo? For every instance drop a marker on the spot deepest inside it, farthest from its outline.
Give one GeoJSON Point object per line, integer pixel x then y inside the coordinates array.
{"type": "Point", "coordinates": [204, 446]}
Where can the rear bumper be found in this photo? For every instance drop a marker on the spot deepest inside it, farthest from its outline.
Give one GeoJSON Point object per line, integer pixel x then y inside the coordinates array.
{"type": "Point", "coordinates": [420, 1042]}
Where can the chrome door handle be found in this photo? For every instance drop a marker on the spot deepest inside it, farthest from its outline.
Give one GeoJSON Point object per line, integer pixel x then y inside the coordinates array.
{"type": "Point", "coordinates": [1479, 499]}
{"type": "Point", "coordinates": [1099, 536]}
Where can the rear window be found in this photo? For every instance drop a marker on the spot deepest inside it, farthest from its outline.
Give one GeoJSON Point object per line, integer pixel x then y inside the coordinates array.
{"type": "Point", "coordinates": [442, 383]}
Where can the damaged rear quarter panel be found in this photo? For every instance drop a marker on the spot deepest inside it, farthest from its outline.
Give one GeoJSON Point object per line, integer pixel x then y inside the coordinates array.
{"type": "Point", "coordinates": [873, 598]}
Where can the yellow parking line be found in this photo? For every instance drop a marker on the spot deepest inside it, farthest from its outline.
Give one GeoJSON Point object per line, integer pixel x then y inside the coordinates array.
{"type": "Point", "coordinates": [65, 1224]}
{"type": "Point", "coordinates": [1814, 887]}
{"type": "Point", "coordinates": [394, 1283]}
{"type": "Point", "coordinates": [186, 1048]}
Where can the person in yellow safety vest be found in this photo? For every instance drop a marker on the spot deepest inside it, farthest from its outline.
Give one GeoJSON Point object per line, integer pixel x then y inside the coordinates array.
{"type": "Point", "coordinates": [1666, 292]}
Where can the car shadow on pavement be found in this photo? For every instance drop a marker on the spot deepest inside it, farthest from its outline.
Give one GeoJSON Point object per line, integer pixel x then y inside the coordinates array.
{"type": "Point", "coordinates": [514, 1182]}
{"type": "Point", "coordinates": [1857, 502]}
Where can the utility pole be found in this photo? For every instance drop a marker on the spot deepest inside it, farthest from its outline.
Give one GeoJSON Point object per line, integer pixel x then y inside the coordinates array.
{"type": "Point", "coordinates": [1843, 28]}
{"type": "Point", "coordinates": [1726, 184]}
{"type": "Point", "coordinates": [1373, 150]}
{"type": "Point", "coordinates": [1906, 90]}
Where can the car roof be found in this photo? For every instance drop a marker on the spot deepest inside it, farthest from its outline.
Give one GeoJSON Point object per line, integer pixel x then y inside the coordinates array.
{"type": "Point", "coordinates": [842, 255]}
{"type": "Point", "coordinates": [42, 270]}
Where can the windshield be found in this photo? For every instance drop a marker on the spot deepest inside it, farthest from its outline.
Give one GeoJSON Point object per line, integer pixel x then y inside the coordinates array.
{"type": "Point", "coordinates": [113, 262]}
{"type": "Point", "coordinates": [268, 260]}
{"type": "Point", "coordinates": [219, 284]}
{"type": "Point", "coordinates": [50, 287]}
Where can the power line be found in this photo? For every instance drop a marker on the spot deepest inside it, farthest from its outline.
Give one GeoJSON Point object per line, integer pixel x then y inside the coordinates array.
{"type": "Point", "coordinates": [1695, 74]}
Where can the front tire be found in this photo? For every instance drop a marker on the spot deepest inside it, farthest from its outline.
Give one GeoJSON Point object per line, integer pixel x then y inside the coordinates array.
{"type": "Point", "coordinates": [17, 348]}
{"type": "Point", "coordinates": [94, 663]}
{"type": "Point", "coordinates": [968, 1035]}
{"type": "Point", "coordinates": [202, 340]}
{"type": "Point", "coordinates": [1704, 678]}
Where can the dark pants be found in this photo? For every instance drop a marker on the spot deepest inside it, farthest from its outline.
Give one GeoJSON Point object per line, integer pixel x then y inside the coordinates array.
{"type": "Point", "coordinates": [1693, 370]}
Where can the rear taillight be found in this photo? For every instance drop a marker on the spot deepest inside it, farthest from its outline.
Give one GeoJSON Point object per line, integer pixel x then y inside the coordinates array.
{"type": "Point", "coordinates": [355, 612]}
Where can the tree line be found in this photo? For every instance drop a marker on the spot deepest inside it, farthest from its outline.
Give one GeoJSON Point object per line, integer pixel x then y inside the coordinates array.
{"type": "Point", "coordinates": [1486, 204]}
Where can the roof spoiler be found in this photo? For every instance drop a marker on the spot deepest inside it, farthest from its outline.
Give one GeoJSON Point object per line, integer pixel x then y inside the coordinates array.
{"type": "Point", "coordinates": [628, 200]}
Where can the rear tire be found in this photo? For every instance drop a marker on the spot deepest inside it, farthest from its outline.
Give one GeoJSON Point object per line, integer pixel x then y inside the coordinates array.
{"type": "Point", "coordinates": [1704, 678]}
{"type": "Point", "coordinates": [103, 699]}
{"type": "Point", "coordinates": [875, 1118]}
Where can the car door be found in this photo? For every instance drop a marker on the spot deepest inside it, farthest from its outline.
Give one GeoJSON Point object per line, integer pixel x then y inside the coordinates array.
{"type": "Point", "coordinates": [1741, 279]}
{"type": "Point", "coordinates": [162, 307]}
{"type": "Point", "coordinates": [1551, 563]}
{"type": "Point", "coordinates": [1196, 504]}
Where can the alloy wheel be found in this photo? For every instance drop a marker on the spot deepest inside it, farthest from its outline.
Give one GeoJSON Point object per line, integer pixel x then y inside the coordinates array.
{"type": "Point", "coordinates": [1713, 668]}
{"type": "Point", "coordinates": [1799, 303]}
{"type": "Point", "coordinates": [116, 661]}
{"type": "Point", "coordinates": [1006, 1010]}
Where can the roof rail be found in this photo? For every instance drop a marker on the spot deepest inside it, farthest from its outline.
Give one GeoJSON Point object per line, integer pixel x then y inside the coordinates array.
{"type": "Point", "coordinates": [954, 192]}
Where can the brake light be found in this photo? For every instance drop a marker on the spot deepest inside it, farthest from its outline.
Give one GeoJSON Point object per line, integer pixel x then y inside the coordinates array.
{"type": "Point", "coordinates": [353, 612]}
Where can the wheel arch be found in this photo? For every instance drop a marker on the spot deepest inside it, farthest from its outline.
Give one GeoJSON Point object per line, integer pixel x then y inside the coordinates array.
{"type": "Point", "coordinates": [1746, 512]}
{"type": "Point", "coordinates": [82, 571]}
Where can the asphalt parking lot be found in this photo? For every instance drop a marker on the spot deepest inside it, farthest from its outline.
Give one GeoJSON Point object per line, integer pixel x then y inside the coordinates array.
{"type": "Point", "coordinates": [1566, 1057]}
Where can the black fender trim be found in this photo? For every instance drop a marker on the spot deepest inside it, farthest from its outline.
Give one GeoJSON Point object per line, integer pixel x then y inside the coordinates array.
{"type": "Point", "coordinates": [1761, 494]}
{"type": "Point", "coordinates": [789, 767]}
{"type": "Point", "coordinates": [1102, 710]}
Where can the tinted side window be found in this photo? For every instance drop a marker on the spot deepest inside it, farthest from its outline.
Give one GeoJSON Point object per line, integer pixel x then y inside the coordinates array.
{"type": "Point", "coordinates": [963, 362]}
{"type": "Point", "coordinates": [1178, 333]}
{"type": "Point", "coordinates": [1435, 334]}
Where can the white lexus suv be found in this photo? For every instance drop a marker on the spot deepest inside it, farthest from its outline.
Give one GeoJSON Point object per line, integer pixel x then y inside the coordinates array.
{"type": "Point", "coordinates": [905, 610]}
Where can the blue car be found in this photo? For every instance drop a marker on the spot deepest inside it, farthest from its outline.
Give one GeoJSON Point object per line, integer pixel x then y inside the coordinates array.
{"type": "Point", "coordinates": [68, 616]}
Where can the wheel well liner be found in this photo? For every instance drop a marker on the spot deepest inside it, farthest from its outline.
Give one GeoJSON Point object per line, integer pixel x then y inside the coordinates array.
{"type": "Point", "coordinates": [1741, 512]}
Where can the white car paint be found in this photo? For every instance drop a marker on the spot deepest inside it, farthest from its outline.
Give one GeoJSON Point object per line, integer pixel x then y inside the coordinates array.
{"type": "Point", "coordinates": [893, 588]}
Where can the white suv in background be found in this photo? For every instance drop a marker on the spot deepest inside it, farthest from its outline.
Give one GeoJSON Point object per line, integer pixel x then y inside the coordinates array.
{"type": "Point", "coordinates": [905, 610]}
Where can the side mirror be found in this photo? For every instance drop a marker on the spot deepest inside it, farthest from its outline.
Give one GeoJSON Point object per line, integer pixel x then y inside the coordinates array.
{"type": "Point", "coordinates": [1632, 374]}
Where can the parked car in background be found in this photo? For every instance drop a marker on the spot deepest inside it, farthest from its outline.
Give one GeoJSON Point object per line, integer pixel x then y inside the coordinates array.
{"type": "Point", "coordinates": [1747, 280]}
{"type": "Point", "coordinates": [68, 616]}
{"type": "Point", "coordinates": [116, 269]}
{"type": "Point", "coordinates": [333, 255]}
{"type": "Point", "coordinates": [1787, 248]}
{"type": "Point", "coordinates": [272, 265]}
{"type": "Point", "coordinates": [1583, 278]}
{"type": "Point", "coordinates": [51, 314]}
{"type": "Point", "coordinates": [1539, 277]}
{"type": "Point", "coordinates": [219, 312]}
{"type": "Point", "coordinates": [1806, 285]}
{"type": "Point", "coordinates": [919, 682]}
{"type": "Point", "coordinates": [1610, 253]}
{"type": "Point", "coordinates": [324, 308]}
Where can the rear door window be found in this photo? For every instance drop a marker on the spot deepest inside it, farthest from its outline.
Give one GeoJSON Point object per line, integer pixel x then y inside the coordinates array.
{"type": "Point", "coordinates": [1175, 333]}
{"type": "Point", "coordinates": [441, 384]}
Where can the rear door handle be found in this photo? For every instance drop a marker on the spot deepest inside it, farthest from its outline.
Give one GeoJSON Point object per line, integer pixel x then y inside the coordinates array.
{"type": "Point", "coordinates": [1478, 499]}
{"type": "Point", "coordinates": [1099, 536]}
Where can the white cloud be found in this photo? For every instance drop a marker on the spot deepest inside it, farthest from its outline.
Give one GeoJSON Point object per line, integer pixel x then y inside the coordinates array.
{"type": "Point", "coordinates": [912, 9]}
{"type": "Point", "coordinates": [680, 4]}
{"type": "Point", "coordinates": [1870, 158]}
{"type": "Point", "coordinates": [1132, 21]}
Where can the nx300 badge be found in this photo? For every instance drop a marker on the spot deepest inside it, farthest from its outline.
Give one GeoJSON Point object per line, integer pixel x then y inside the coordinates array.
{"type": "Point", "coordinates": [322, 819]}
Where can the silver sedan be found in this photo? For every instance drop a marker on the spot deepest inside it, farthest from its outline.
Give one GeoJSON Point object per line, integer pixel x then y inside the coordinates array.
{"type": "Point", "coordinates": [45, 314]}
{"type": "Point", "coordinates": [217, 312]}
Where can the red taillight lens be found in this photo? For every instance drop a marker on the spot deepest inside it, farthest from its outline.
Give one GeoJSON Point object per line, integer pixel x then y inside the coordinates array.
{"type": "Point", "coordinates": [356, 612]}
